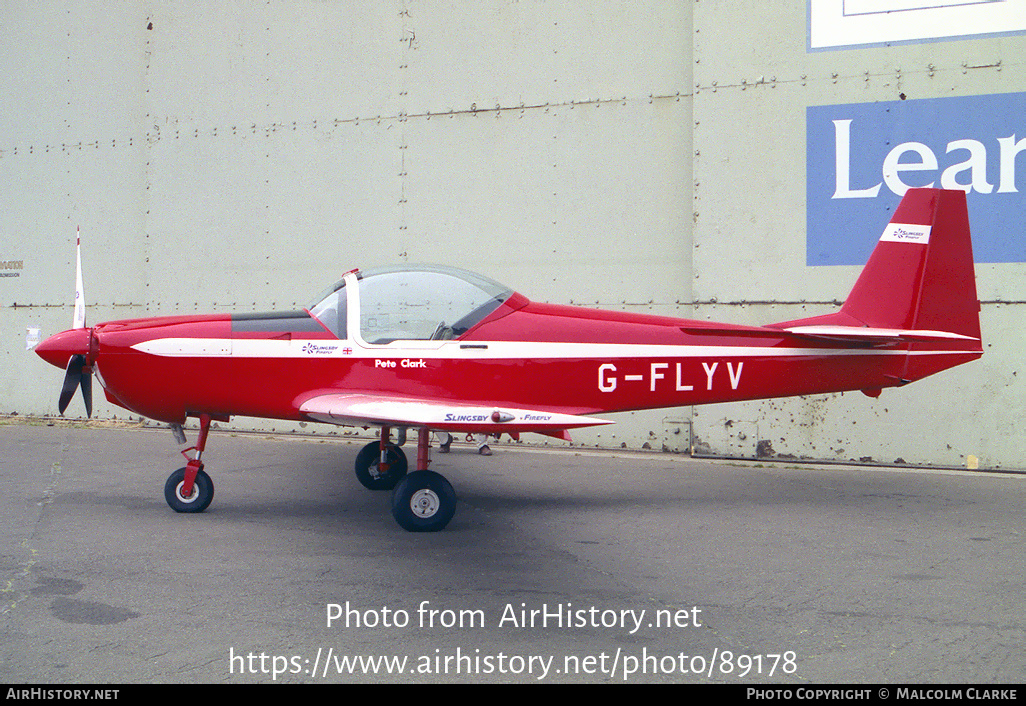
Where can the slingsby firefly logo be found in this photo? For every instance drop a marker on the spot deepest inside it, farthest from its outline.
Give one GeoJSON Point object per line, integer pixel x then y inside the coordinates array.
{"type": "Point", "coordinates": [906, 233]}
{"type": "Point", "coordinates": [317, 349]}
{"type": "Point", "coordinates": [862, 158]}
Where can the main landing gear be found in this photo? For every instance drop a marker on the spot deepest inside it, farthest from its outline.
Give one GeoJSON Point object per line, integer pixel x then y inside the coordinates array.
{"type": "Point", "coordinates": [190, 489]}
{"type": "Point", "coordinates": [380, 465]}
{"type": "Point", "coordinates": [422, 501]}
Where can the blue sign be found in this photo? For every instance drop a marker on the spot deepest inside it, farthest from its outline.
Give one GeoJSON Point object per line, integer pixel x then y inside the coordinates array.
{"type": "Point", "coordinates": [861, 158]}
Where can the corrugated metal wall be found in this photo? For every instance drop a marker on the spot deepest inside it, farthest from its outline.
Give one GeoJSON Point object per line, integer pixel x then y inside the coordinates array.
{"type": "Point", "coordinates": [647, 156]}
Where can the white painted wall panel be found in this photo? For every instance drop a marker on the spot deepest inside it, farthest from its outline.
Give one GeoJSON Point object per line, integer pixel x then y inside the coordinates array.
{"type": "Point", "coordinates": [583, 203]}
{"type": "Point", "coordinates": [507, 53]}
{"type": "Point", "coordinates": [256, 218]}
{"type": "Point", "coordinates": [220, 62]}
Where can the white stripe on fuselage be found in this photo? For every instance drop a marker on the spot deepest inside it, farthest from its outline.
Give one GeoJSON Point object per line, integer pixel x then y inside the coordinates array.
{"type": "Point", "coordinates": [481, 350]}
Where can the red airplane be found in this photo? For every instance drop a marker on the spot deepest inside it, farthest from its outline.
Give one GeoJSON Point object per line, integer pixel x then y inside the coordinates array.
{"type": "Point", "coordinates": [440, 349]}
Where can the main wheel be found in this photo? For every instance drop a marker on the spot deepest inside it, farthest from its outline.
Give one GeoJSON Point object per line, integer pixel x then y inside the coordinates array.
{"type": "Point", "coordinates": [423, 501]}
{"type": "Point", "coordinates": [368, 466]}
{"type": "Point", "coordinates": [202, 492]}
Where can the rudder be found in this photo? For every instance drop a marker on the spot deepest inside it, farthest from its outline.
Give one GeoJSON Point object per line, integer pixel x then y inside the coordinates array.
{"type": "Point", "coordinates": [921, 273]}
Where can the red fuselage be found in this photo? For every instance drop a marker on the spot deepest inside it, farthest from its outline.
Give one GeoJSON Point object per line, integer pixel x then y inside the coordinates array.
{"type": "Point", "coordinates": [524, 354]}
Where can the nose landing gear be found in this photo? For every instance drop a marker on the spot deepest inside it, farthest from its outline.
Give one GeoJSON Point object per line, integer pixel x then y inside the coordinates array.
{"type": "Point", "coordinates": [190, 489]}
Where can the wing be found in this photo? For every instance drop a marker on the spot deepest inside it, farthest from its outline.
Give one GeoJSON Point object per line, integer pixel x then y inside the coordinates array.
{"type": "Point", "coordinates": [374, 409]}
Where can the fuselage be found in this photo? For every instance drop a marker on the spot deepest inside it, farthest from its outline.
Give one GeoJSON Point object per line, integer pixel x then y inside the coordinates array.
{"type": "Point", "coordinates": [523, 354]}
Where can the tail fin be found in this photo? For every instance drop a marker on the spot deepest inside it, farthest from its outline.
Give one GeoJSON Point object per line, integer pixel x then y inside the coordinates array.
{"type": "Point", "coordinates": [918, 290]}
{"type": "Point", "coordinates": [921, 275]}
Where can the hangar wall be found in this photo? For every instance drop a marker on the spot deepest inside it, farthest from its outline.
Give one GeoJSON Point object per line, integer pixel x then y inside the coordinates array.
{"type": "Point", "coordinates": [646, 156]}
{"type": "Point", "coordinates": [753, 202]}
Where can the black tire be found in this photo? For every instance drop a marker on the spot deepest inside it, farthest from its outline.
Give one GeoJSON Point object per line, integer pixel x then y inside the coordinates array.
{"type": "Point", "coordinates": [423, 501]}
{"type": "Point", "coordinates": [367, 466]}
{"type": "Point", "coordinates": [202, 492]}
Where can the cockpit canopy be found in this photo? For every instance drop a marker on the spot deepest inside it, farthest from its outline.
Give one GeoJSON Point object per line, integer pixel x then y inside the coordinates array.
{"type": "Point", "coordinates": [417, 303]}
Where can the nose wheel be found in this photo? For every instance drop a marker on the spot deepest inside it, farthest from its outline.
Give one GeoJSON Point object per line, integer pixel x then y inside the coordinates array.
{"type": "Point", "coordinates": [190, 489]}
{"type": "Point", "coordinates": [195, 501]}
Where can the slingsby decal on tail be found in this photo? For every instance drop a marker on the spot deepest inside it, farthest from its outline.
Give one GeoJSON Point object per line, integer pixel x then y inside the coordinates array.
{"type": "Point", "coordinates": [440, 349]}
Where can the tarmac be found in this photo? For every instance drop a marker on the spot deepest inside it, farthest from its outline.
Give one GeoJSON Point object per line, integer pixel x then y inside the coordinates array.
{"type": "Point", "coordinates": [560, 566]}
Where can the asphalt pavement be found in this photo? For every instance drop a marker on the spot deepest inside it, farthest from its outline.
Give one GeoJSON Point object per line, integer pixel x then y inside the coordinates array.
{"type": "Point", "coordinates": [560, 566]}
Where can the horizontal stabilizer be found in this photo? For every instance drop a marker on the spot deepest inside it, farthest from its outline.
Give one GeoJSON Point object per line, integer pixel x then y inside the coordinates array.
{"type": "Point", "coordinates": [874, 335]}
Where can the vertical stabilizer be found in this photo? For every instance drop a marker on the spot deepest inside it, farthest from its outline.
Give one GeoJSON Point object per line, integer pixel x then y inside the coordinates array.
{"type": "Point", "coordinates": [921, 275]}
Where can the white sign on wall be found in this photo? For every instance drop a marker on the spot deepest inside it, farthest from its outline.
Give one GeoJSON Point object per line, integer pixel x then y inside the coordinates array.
{"type": "Point", "coordinates": [834, 24]}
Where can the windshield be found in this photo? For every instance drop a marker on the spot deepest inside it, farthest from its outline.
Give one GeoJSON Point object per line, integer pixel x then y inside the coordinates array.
{"type": "Point", "coordinates": [414, 303]}
{"type": "Point", "coordinates": [424, 303]}
{"type": "Point", "coordinates": [331, 310]}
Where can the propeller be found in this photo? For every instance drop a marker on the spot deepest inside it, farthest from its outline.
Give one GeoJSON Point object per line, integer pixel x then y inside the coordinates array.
{"type": "Point", "coordinates": [79, 372]}
{"type": "Point", "coordinates": [76, 350]}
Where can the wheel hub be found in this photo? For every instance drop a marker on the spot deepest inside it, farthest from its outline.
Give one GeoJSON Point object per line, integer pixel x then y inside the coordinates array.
{"type": "Point", "coordinates": [424, 503]}
{"type": "Point", "coordinates": [186, 499]}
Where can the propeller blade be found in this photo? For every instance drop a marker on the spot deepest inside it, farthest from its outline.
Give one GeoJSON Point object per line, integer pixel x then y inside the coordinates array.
{"type": "Point", "coordinates": [87, 390]}
{"type": "Point", "coordinates": [79, 320]}
{"type": "Point", "coordinates": [72, 378]}
{"type": "Point", "coordinates": [80, 366]}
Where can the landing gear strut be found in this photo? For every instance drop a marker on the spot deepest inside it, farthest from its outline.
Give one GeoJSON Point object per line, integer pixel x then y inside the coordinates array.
{"type": "Point", "coordinates": [190, 489]}
{"type": "Point", "coordinates": [423, 501]}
